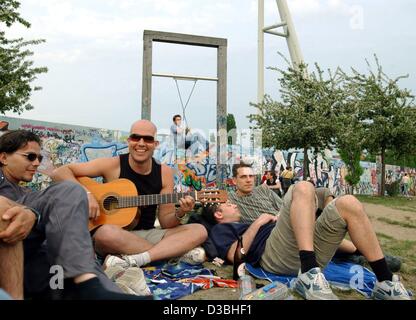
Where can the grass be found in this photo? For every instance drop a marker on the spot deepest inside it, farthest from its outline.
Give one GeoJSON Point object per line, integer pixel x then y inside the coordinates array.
{"type": "Point", "coordinates": [397, 223]}
{"type": "Point", "coordinates": [406, 250]}
{"type": "Point", "coordinates": [401, 203]}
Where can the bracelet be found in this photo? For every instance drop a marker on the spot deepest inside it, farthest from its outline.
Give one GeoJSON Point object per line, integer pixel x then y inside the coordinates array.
{"type": "Point", "coordinates": [36, 213]}
{"type": "Point", "coordinates": [179, 218]}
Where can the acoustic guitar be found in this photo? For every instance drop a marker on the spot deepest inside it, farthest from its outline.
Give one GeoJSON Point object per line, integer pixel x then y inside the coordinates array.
{"type": "Point", "coordinates": [119, 200]}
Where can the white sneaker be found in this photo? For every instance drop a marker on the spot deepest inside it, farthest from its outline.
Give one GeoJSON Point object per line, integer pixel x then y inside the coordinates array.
{"type": "Point", "coordinates": [390, 290]}
{"type": "Point", "coordinates": [122, 261]}
{"type": "Point", "coordinates": [312, 285]}
{"type": "Point", "coordinates": [194, 256]}
{"type": "Point", "coordinates": [130, 280]}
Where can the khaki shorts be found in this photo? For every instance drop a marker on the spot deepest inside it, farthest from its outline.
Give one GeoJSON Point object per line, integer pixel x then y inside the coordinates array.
{"type": "Point", "coordinates": [281, 253]}
{"type": "Point", "coordinates": [152, 235]}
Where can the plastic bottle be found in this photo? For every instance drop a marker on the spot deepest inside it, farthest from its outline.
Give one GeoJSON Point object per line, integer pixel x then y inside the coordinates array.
{"type": "Point", "coordinates": [246, 285]}
{"type": "Point", "coordinates": [273, 291]}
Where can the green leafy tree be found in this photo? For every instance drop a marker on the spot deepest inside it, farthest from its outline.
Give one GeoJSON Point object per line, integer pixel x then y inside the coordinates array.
{"type": "Point", "coordinates": [350, 134]}
{"type": "Point", "coordinates": [231, 129]}
{"type": "Point", "coordinates": [387, 113]}
{"type": "Point", "coordinates": [16, 70]}
{"type": "Point", "coordinates": [303, 119]}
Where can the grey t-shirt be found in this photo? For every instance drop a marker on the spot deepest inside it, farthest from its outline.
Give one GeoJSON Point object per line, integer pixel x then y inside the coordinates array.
{"type": "Point", "coordinates": [261, 200]}
{"type": "Point", "coordinates": [11, 190]}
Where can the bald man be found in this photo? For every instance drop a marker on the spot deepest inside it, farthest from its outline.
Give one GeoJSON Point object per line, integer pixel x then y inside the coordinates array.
{"type": "Point", "coordinates": [140, 242]}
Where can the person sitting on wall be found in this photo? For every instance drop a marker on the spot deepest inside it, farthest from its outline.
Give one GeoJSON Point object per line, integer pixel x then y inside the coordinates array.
{"type": "Point", "coordinates": [140, 243]}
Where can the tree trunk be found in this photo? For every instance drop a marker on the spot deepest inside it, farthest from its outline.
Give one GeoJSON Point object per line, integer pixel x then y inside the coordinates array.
{"type": "Point", "coordinates": [383, 173]}
{"type": "Point", "coordinates": [305, 164]}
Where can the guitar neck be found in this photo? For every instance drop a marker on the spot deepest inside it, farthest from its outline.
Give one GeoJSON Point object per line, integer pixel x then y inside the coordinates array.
{"type": "Point", "coordinates": [152, 199]}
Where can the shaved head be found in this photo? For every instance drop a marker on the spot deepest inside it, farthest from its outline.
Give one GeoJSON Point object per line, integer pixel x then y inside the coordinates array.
{"type": "Point", "coordinates": [144, 126]}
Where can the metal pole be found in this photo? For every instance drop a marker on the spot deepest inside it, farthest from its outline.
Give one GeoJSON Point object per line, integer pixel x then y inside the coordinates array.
{"type": "Point", "coordinates": [221, 115]}
{"type": "Point", "coordinates": [260, 52]}
{"type": "Point", "coordinates": [292, 39]}
{"type": "Point", "coordinates": [147, 78]}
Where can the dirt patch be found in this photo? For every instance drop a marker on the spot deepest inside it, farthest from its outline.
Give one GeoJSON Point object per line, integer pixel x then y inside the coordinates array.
{"type": "Point", "coordinates": [375, 212]}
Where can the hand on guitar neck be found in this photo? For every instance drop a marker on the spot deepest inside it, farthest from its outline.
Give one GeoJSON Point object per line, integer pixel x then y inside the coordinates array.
{"type": "Point", "coordinates": [118, 200]}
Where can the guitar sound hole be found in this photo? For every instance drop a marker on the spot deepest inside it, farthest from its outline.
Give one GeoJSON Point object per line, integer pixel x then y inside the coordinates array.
{"type": "Point", "coordinates": [110, 203]}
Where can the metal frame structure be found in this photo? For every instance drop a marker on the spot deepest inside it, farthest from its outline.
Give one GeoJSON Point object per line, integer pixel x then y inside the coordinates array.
{"type": "Point", "coordinates": [288, 32]}
{"type": "Point", "coordinates": [150, 36]}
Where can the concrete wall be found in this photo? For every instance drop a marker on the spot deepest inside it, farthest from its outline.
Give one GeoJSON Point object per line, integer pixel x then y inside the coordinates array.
{"type": "Point", "coordinates": [64, 144]}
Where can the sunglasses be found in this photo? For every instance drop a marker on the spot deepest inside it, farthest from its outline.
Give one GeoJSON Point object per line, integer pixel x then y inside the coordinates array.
{"type": "Point", "coordinates": [137, 137]}
{"type": "Point", "coordinates": [31, 156]}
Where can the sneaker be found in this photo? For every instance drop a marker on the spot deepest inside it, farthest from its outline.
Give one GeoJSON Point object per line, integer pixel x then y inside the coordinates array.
{"type": "Point", "coordinates": [390, 290]}
{"type": "Point", "coordinates": [122, 261]}
{"type": "Point", "coordinates": [312, 285]}
{"type": "Point", "coordinates": [194, 256]}
{"type": "Point", "coordinates": [130, 280]}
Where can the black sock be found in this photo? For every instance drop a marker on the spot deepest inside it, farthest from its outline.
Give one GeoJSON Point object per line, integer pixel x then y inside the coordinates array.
{"type": "Point", "coordinates": [381, 270]}
{"type": "Point", "coordinates": [92, 289]}
{"type": "Point", "coordinates": [307, 260]}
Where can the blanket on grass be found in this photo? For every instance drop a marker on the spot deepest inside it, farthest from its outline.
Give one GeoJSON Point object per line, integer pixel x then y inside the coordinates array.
{"type": "Point", "coordinates": [343, 275]}
{"type": "Point", "coordinates": [173, 281]}
{"type": "Point", "coordinates": [169, 281]}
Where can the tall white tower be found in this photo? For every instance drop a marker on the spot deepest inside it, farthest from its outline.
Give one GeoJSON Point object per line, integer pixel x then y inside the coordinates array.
{"type": "Point", "coordinates": [288, 32]}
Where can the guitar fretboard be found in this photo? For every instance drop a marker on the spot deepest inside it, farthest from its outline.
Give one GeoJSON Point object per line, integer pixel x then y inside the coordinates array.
{"type": "Point", "coordinates": [152, 199]}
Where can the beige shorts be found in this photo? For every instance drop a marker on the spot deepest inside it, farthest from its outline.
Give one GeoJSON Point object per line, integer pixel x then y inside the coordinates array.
{"type": "Point", "coordinates": [152, 235]}
{"type": "Point", "coordinates": [281, 253]}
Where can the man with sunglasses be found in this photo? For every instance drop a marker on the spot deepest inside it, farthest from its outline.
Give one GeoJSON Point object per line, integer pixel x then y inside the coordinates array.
{"type": "Point", "coordinates": [140, 243]}
{"type": "Point", "coordinates": [41, 229]}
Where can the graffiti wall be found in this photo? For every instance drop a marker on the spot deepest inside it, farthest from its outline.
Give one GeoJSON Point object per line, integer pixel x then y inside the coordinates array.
{"type": "Point", "coordinates": [64, 144]}
{"type": "Point", "coordinates": [195, 168]}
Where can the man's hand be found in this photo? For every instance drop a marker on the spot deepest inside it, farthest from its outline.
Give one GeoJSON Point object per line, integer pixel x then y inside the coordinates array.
{"type": "Point", "coordinates": [265, 218]}
{"type": "Point", "coordinates": [93, 206]}
{"type": "Point", "coordinates": [21, 221]}
{"type": "Point", "coordinates": [186, 205]}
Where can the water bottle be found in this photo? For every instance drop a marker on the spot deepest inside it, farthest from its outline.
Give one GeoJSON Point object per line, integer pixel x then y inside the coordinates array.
{"type": "Point", "coordinates": [246, 285]}
{"type": "Point", "coordinates": [273, 291]}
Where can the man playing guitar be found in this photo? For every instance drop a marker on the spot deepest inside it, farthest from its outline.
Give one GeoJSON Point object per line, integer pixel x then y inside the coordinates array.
{"type": "Point", "coordinates": [139, 243]}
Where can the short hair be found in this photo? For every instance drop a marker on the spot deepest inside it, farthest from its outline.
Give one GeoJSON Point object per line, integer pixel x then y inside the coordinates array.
{"type": "Point", "coordinates": [208, 213]}
{"type": "Point", "coordinates": [240, 165]}
{"type": "Point", "coordinates": [176, 116]}
{"type": "Point", "coordinates": [13, 140]}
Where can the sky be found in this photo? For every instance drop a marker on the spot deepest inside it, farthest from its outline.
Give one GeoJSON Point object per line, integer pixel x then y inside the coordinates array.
{"type": "Point", "coordinates": [94, 48]}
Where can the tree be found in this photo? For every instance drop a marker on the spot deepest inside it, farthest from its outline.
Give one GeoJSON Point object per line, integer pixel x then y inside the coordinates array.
{"type": "Point", "coordinates": [350, 134]}
{"type": "Point", "coordinates": [387, 113]}
{"type": "Point", "coordinates": [231, 129]}
{"type": "Point", "coordinates": [303, 118]}
{"type": "Point", "coordinates": [16, 70]}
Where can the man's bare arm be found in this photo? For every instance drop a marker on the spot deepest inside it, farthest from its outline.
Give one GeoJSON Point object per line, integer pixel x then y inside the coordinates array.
{"type": "Point", "coordinates": [250, 234]}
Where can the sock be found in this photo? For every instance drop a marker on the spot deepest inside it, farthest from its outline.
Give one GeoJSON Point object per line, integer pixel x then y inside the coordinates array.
{"type": "Point", "coordinates": [92, 289]}
{"type": "Point", "coordinates": [307, 260]}
{"type": "Point", "coordinates": [141, 259]}
{"type": "Point", "coordinates": [381, 270]}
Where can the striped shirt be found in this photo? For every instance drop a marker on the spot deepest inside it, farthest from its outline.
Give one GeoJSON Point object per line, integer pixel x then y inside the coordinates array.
{"type": "Point", "coordinates": [261, 200]}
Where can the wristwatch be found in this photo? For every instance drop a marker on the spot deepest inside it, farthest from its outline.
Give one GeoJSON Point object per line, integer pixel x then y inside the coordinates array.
{"type": "Point", "coordinates": [179, 218]}
{"type": "Point", "coordinates": [37, 214]}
